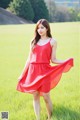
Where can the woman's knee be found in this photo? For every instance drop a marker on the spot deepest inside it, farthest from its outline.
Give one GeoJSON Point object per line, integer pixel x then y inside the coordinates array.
{"type": "Point", "coordinates": [46, 97]}
{"type": "Point", "coordinates": [36, 95]}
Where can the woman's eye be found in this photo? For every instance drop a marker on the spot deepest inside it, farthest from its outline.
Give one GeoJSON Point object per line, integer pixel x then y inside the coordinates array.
{"type": "Point", "coordinates": [41, 28]}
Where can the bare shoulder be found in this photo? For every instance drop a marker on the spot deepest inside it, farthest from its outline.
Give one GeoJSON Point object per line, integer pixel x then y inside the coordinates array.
{"type": "Point", "coordinates": [53, 42]}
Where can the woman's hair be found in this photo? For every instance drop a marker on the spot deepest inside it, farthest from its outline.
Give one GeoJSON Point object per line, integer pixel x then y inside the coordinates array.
{"type": "Point", "coordinates": [45, 23]}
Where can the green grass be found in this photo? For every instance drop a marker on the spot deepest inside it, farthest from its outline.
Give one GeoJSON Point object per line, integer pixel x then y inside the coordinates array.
{"type": "Point", "coordinates": [14, 48]}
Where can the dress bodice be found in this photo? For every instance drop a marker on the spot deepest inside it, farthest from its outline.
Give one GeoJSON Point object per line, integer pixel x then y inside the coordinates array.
{"type": "Point", "coordinates": [41, 54]}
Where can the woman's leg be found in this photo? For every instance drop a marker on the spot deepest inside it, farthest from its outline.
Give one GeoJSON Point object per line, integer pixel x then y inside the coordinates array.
{"type": "Point", "coordinates": [36, 104]}
{"type": "Point", "coordinates": [49, 105]}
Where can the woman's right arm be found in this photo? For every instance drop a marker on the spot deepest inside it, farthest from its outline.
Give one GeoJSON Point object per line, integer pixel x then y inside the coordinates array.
{"type": "Point", "coordinates": [26, 66]}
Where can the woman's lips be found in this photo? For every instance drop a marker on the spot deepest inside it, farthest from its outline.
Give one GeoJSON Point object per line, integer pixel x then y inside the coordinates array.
{"type": "Point", "coordinates": [40, 32]}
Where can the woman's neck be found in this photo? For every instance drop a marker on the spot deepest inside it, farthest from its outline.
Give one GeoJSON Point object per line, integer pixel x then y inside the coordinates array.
{"type": "Point", "coordinates": [44, 37]}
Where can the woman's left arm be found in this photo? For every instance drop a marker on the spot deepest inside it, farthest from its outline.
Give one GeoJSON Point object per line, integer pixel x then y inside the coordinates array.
{"type": "Point", "coordinates": [53, 54]}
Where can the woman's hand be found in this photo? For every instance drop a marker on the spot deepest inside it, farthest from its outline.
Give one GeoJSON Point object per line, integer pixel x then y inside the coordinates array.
{"type": "Point", "coordinates": [20, 77]}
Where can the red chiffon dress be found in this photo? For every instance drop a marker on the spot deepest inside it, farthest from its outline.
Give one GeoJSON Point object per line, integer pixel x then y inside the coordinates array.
{"type": "Point", "coordinates": [41, 76]}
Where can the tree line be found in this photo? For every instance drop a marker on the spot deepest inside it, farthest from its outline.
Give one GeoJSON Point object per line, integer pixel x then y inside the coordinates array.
{"type": "Point", "coordinates": [36, 9]}
{"type": "Point", "coordinates": [62, 13]}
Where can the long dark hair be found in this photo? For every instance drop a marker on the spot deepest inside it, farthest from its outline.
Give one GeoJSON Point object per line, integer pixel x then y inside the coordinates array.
{"type": "Point", "coordinates": [45, 23]}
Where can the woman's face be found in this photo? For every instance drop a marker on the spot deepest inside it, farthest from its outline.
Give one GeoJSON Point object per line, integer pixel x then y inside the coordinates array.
{"type": "Point", "coordinates": [42, 31]}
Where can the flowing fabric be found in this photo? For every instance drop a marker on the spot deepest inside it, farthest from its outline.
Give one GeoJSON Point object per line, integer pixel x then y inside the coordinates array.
{"type": "Point", "coordinates": [41, 76]}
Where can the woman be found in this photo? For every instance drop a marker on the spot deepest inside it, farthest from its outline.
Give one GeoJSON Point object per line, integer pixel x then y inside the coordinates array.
{"type": "Point", "coordinates": [38, 76]}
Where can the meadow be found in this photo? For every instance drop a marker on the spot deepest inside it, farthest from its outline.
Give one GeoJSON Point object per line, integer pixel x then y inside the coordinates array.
{"type": "Point", "coordinates": [14, 49]}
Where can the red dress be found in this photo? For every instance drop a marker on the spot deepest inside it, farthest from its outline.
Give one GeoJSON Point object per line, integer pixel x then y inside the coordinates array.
{"type": "Point", "coordinates": [41, 76]}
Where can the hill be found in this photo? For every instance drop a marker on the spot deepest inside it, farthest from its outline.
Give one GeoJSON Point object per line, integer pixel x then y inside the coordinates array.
{"type": "Point", "coordinates": [6, 17]}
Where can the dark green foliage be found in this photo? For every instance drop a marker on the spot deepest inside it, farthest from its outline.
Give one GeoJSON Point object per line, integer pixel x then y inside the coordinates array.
{"type": "Point", "coordinates": [40, 10]}
{"type": "Point", "coordinates": [22, 8]}
{"type": "Point", "coordinates": [4, 3]}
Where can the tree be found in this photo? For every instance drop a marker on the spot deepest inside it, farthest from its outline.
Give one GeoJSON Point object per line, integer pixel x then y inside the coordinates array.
{"type": "Point", "coordinates": [78, 17]}
{"type": "Point", "coordinates": [74, 14]}
{"type": "Point", "coordinates": [40, 10]}
{"type": "Point", "coordinates": [52, 9]}
{"type": "Point", "coordinates": [62, 14]}
{"type": "Point", "coordinates": [22, 8]}
{"type": "Point", "coordinates": [4, 3]}
{"type": "Point", "coordinates": [78, 14]}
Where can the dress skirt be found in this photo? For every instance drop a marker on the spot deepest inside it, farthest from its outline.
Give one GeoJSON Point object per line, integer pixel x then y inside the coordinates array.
{"type": "Point", "coordinates": [43, 77]}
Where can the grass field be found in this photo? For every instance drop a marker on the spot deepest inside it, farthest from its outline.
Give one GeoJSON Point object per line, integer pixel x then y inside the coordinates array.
{"type": "Point", "coordinates": [14, 48]}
